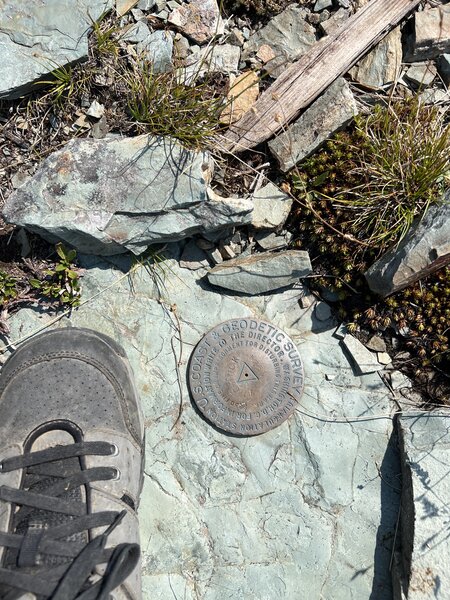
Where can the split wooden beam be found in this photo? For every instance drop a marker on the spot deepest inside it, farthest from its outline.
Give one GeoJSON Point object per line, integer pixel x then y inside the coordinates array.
{"type": "Point", "coordinates": [307, 78]}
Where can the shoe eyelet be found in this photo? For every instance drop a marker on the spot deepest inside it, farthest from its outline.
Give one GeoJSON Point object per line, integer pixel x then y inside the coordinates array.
{"type": "Point", "coordinates": [117, 475]}
{"type": "Point", "coordinates": [1, 467]}
{"type": "Point", "coordinates": [114, 450]}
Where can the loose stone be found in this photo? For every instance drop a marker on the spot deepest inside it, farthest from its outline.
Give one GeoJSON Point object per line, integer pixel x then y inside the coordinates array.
{"type": "Point", "coordinates": [271, 207]}
{"type": "Point", "coordinates": [363, 359]}
{"type": "Point", "coordinates": [112, 195]}
{"type": "Point", "coordinates": [382, 65]}
{"type": "Point", "coordinates": [322, 311]}
{"type": "Point", "coordinates": [424, 249]}
{"type": "Point", "coordinates": [376, 343]}
{"type": "Point", "coordinates": [431, 34]}
{"type": "Point", "coordinates": [287, 35]}
{"type": "Point", "coordinates": [421, 74]}
{"type": "Point", "coordinates": [261, 273]}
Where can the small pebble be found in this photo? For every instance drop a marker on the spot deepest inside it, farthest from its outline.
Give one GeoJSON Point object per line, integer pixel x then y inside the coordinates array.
{"type": "Point", "coordinates": [322, 311]}
{"type": "Point", "coordinates": [306, 301]}
{"type": "Point", "coordinates": [227, 252]}
{"type": "Point", "coordinates": [383, 358]}
{"type": "Point", "coordinates": [216, 256]}
{"type": "Point", "coordinates": [96, 110]}
{"type": "Point", "coordinates": [376, 343]}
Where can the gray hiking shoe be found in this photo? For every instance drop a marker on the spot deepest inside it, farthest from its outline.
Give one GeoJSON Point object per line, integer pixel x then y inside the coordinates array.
{"type": "Point", "coordinates": [71, 451]}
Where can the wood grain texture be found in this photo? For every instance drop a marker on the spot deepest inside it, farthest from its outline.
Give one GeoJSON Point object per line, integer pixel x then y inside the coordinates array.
{"type": "Point", "coordinates": [303, 81]}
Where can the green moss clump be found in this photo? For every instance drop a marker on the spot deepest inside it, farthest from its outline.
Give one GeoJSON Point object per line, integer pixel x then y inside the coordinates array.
{"type": "Point", "coordinates": [357, 197]}
{"type": "Point", "coordinates": [322, 228]}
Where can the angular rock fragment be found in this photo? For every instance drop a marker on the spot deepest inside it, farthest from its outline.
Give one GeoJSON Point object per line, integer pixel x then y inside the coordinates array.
{"type": "Point", "coordinates": [41, 37]}
{"type": "Point", "coordinates": [337, 20]}
{"type": "Point", "coordinates": [270, 240]}
{"type": "Point", "coordinates": [330, 112]}
{"type": "Point", "coordinates": [424, 249]}
{"type": "Point", "coordinates": [321, 4]}
{"type": "Point", "coordinates": [288, 35]}
{"type": "Point", "coordinates": [199, 19]}
{"type": "Point", "coordinates": [136, 33]}
{"type": "Point", "coordinates": [223, 58]}
{"type": "Point", "coordinates": [193, 257]}
{"type": "Point", "coordinates": [434, 96]}
{"type": "Point", "coordinates": [421, 569]}
{"type": "Point", "coordinates": [112, 195]}
{"type": "Point", "coordinates": [243, 93]}
{"type": "Point", "coordinates": [421, 74]}
{"type": "Point", "coordinates": [364, 360]}
{"type": "Point", "coordinates": [261, 273]}
{"type": "Point", "coordinates": [376, 343]}
{"type": "Point", "coordinates": [95, 110]}
{"type": "Point", "coordinates": [123, 6]}
{"type": "Point", "coordinates": [382, 64]}
{"type": "Point", "coordinates": [271, 207]}
{"type": "Point", "coordinates": [383, 358]}
{"type": "Point", "coordinates": [158, 49]}
{"type": "Point", "coordinates": [431, 34]}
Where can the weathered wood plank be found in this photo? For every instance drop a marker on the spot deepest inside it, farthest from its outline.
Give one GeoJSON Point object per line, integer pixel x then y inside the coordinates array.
{"type": "Point", "coordinates": [303, 81]}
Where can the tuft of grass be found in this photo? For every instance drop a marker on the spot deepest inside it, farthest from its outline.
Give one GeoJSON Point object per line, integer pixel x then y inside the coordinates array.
{"type": "Point", "coordinates": [165, 105]}
{"type": "Point", "coordinates": [65, 83]}
{"type": "Point", "coordinates": [403, 160]}
{"type": "Point", "coordinates": [104, 35]}
{"type": "Point", "coordinates": [62, 83]}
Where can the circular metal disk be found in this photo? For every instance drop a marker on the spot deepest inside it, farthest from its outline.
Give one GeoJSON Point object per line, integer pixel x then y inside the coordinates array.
{"type": "Point", "coordinates": [246, 376]}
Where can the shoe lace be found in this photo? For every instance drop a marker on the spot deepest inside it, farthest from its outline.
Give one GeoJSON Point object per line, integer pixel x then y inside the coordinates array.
{"type": "Point", "coordinates": [49, 553]}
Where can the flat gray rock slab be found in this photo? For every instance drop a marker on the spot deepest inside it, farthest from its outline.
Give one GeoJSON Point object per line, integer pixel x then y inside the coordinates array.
{"type": "Point", "coordinates": [288, 35]}
{"type": "Point", "coordinates": [301, 507]}
{"type": "Point", "coordinates": [112, 195]}
{"type": "Point", "coordinates": [270, 240]}
{"type": "Point", "coordinates": [421, 74]}
{"type": "Point", "coordinates": [158, 49]}
{"type": "Point", "coordinates": [425, 451]}
{"type": "Point", "coordinates": [424, 249]}
{"type": "Point", "coordinates": [38, 37]}
{"type": "Point", "coordinates": [334, 109]}
{"type": "Point", "coordinates": [271, 207]}
{"type": "Point", "coordinates": [262, 272]}
{"type": "Point", "coordinates": [364, 360]}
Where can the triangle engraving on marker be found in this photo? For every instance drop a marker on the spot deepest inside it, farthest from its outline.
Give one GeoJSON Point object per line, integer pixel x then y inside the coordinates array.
{"type": "Point", "coordinates": [247, 374]}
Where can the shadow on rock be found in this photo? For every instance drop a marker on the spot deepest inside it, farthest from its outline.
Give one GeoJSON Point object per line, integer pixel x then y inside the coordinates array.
{"type": "Point", "coordinates": [389, 472]}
